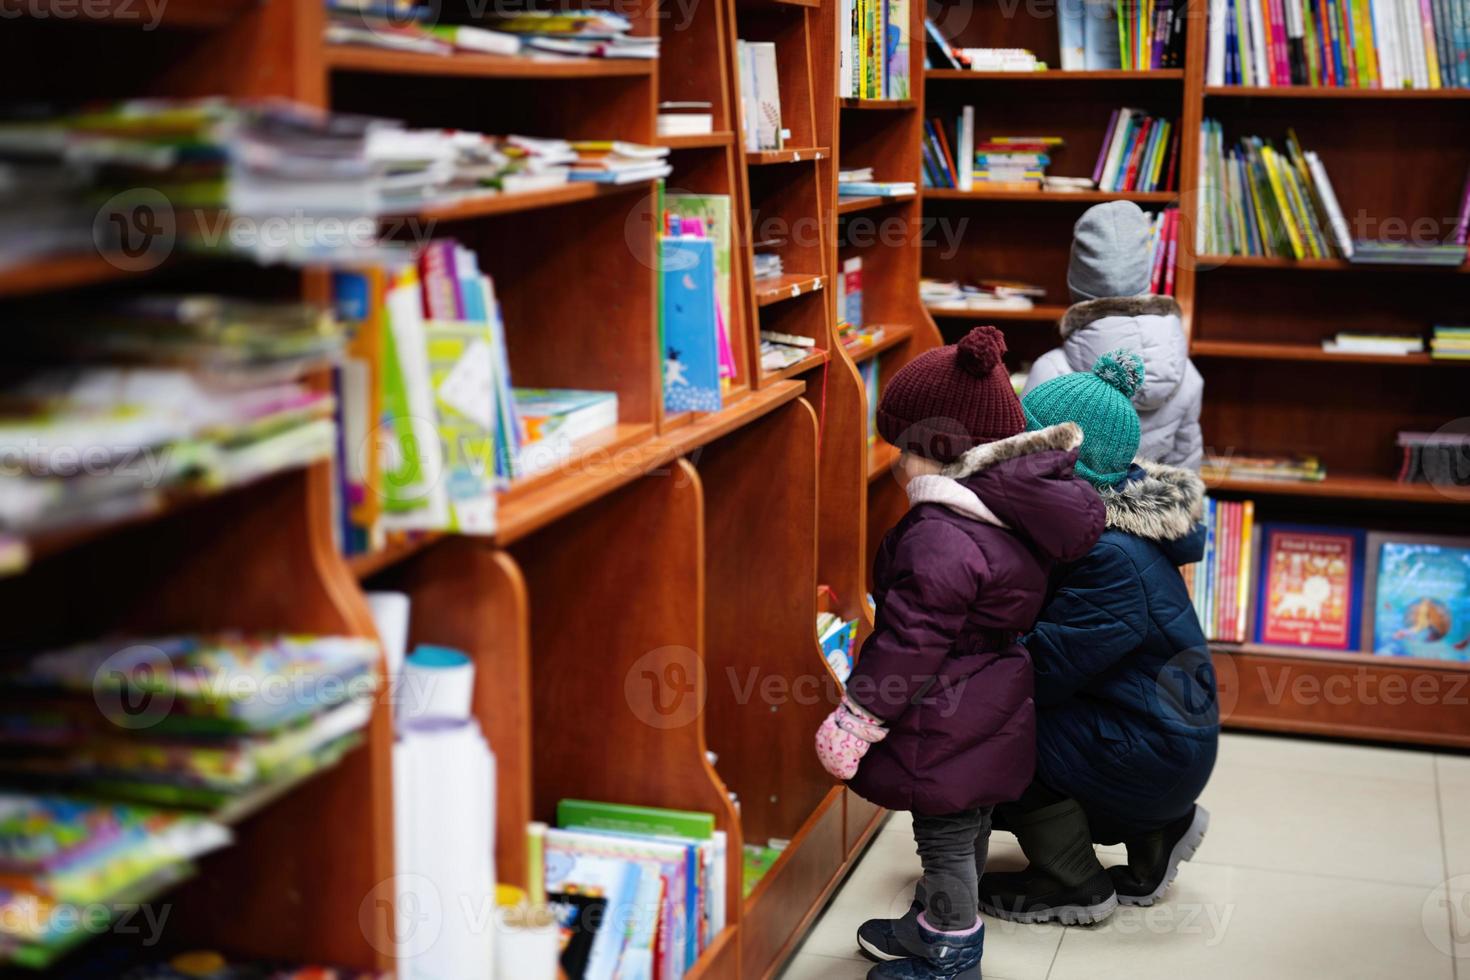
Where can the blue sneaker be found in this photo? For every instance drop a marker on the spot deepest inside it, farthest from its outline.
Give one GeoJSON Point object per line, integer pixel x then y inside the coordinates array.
{"type": "Point", "coordinates": [932, 955]}
{"type": "Point", "coordinates": [878, 939]}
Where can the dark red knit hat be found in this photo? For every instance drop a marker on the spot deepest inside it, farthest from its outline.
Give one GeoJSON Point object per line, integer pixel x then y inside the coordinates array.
{"type": "Point", "coordinates": [951, 399]}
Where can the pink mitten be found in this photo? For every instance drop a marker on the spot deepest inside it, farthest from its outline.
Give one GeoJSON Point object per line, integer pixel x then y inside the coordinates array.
{"type": "Point", "coordinates": [844, 737]}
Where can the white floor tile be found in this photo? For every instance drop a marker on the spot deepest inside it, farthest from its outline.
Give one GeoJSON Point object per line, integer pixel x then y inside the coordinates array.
{"type": "Point", "coordinates": [1324, 823]}
{"type": "Point", "coordinates": [810, 966]}
{"type": "Point", "coordinates": [1229, 923]}
{"type": "Point", "coordinates": [1454, 809]}
{"type": "Point", "coordinates": [1271, 752]}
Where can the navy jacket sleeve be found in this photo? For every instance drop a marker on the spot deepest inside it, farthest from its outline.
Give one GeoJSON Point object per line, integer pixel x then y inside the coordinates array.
{"type": "Point", "coordinates": [933, 578]}
{"type": "Point", "coordinates": [1098, 616]}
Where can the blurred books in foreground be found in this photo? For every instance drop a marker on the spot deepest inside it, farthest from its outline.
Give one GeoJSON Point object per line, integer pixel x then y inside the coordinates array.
{"type": "Point", "coordinates": [1450, 343]}
{"type": "Point", "coordinates": [543, 34]}
{"type": "Point", "coordinates": [987, 294]}
{"type": "Point", "coordinates": [1304, 468]}
{"type": "Point", "coordinates": [1348, 342]}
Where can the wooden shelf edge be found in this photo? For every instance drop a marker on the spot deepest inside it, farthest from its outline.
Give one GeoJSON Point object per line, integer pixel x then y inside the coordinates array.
{"type": "Point", "coordinates": [1055, 75]}
{"type": "Point", "coordinates": [881, 457]}
{"type": "Point", "coordinates": [1052, 197]}
{"type": "Point", "coordinates": [893, 335]}
{"type": "Point", "coordinates": [789, 286]}
{"type": "Point", "coordinates": [1325, 92]}
{"type": "Point", "coordinates": [800, 154]}
{"type": "Point", "coordinates": [1354, 658]}
{"type": "Point", "coordinates": [698, 141]}
{"type": "Point", "coordinates": [1347, 487]}
{"type": "Point", "coordinates": [879, 104]}
{"type": "Point", "coordinates": [1210, 263]}
{"type": "Point", "coordinates": [1250, 350]}
{"type": "Point", "coordinates": [813, 360]}
{"type": "Point", "coordinates": [476, 206]}
{"type": "Point", "coordinates": [60, 272]}
{"type": "Point", "coordinates": [1038, 314]}
{"type": "Point", "coordinates": [351, 58]}
{"type": "Point", "coordinates": [370, 563]}
{"type": "Point", "coordinates": [868, 202]}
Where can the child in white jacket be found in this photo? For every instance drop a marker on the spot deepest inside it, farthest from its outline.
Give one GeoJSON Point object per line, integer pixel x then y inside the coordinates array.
{"type": "Point", "coordinates": [1107, 277]}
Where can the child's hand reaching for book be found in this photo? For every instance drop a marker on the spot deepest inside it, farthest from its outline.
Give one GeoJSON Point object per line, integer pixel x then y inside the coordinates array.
{"type": "Point", "coordinates": [844, 737]}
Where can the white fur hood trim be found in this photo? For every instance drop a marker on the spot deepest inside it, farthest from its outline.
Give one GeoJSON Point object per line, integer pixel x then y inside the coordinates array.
{"type": "Point", "coordinates": [1165, 505]}
{"type": "Point", "coordinates": [1066, 436]}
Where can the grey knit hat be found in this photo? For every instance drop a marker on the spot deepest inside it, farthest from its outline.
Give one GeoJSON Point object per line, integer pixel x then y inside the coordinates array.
{"type": "Point", "coordinates": [1109, 252]}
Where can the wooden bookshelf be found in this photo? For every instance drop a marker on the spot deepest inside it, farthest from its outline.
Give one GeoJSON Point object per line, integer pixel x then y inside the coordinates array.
{"type": "Point", "coordinates": [1053, 76]}
{"type": "Point", "coordinates": [756, 158]}
{"type": "Point", "coordinates": [1311, 92]}
{"type": "Point", "coordinates": [1306, 352]}
{"type": "Point", "coordinates": [1051, 197]}
{"type": "Point", "coordinates": [790, 285]}
{"type": "Point", "coordinates": [894, 335]}
{"type": "Point", "coordinates": [1210, 263]}
{"type": "Point", "coordinates": [868, 202]}
{"type": "Point", "coordinates": [349, 58]}
{"type": "Point", "coordinates": [59, 273]}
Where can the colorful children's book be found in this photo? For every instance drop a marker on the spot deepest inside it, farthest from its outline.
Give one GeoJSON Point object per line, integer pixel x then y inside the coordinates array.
{"type": "Point", "coordinates": [462, 377]}
{"type": "Point", "coordinates": [708, 216]}
{"type": "Point", "coordinates": [1420, 589]}
{"type": "Point", "coordinates": [593, 897]}
{"type": "Point", "coordinates": [1310, 586]}
{"type": "Point", "coordinates": [624, 819]}
{"type": "Point", "coordinates": [690, 327]}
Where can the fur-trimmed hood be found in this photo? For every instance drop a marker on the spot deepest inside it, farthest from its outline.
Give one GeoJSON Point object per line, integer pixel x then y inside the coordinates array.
{"type": "Point", "coordinates": [1160, 503]}
{"type": "Point", "coordinates": [1027, 481]}
{"type": "Point", "coordinates": [1151, 326]}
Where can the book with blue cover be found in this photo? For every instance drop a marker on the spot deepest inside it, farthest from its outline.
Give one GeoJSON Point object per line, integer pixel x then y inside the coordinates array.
{"type": "Point", "coordinates": [1421, 597]}
{"type": "Point", "coordinates": [690, 328]}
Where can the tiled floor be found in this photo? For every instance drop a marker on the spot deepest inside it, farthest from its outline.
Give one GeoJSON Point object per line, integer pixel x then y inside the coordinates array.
{"type": "Point", "coordinates": [1322, 861]}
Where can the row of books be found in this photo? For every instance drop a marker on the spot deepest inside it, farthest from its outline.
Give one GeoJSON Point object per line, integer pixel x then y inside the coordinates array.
{"type": "Point", "coordinates": [699, 361]}
{"type": "Point", "coordinates": [1216, 469]}
{"type": "Point", "coordinates": [1450, 343]}
{"type": "Point", "coordinates": [1382, 44]}
{"type": "Point", "coordinates": [1139, 153]}
{"type": "Point", "coordinates": [540, 33]}
{"type": "Point", "coordinates": [200, 725]}
{"type": "Point", "coordinates": [1258, 200]}
{"type": "Point", "coordinates": [1335, 588]}
{"type": "Point", "coordinates": [433, 428]}
{"type": "Point", "coordinates": [1093, 35]}
{"type": "Point", "coordinates": [118, 407]}
{"type": "Point", "coordinates": [953, 157]}
{"type": "Point", "coordinates": [873, 49]}
{"type": "Point", "coordinates": [639, 892]}
{"type": "Point", "coordinates": [860, 182]}
{"type": "Point", "coordinates": [760, 95]}
{"type": "Point", "coordinates": [68, 855]}
{"type": "Point", "coordinates": [168, 168]}
{"type": "Point", "coordinates": [1163, 243]}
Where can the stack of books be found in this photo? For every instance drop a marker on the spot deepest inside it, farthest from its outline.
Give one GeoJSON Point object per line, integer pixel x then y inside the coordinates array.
{"type": "Point", "coordinates": [937, 156]}
{"type": "Point", "coordinates": [686, 118]}
{"type": "Point", "coordinates": [873, 60]}
{"type": "Point", "coordinates": [638, 891]}
{"type": "Point", "coordinates": [196, 721]}
{"type": "Point", "coordinates": [1450, 343]}
{"type": "Point", "coordinates": [1348, 342]}
{"type": "Point", "coordinates": [1407, 253]}
{"type": "Point", "coordinates": [767, 264]}
{"type": "Point", "coordinates": [1163, 243]}
{"type": "Point", "coordinates": [1139, 153]}
{"type": "Point", "coordinates": [859, 182]}
{"type": "Point", "coordinates": [1221, 583]}
{"type": "Point", "coordinates": [1136, 35]}
{"type": "Point", "coordinates": [572, 33]}
{"type": "Point", "coordinates": [163, 395]}
{"type": "Point", "coordinates": [1013, 162]}
{"type": "Point", "coordinates": [69, 860]}
{"type": "Point", "coordinates": [618, 162]}
{"type": "Point", "coordinates": [1338, 43]}
{"type": "Point", "coordinates": [1217, 469]}
{"type": "Point", "coordinates": [760, 95]}
{"type": "Point", "coordinates": [987, 294]}
{"type": "Point", "coordinates": [1257, 200]}
{"type": "Point", "coordinates": [1000, 59]}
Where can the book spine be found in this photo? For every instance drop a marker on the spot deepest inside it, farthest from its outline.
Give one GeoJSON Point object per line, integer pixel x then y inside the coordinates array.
{"type": "Point", "coordinates": [966, 161]}
{"type": "Point", "coordinates": [1171, 260]}
{"type": "Point", "coordinates": [1215, 73]}
{"type": "Point", "coordinates": [1431, 46]}
{"type": "Point", "coordinates": [1102, 154]}
{"type": "Point", "coordinates": [1247, 545]}
{"type": "Point", "coordinates": [1462, 229]}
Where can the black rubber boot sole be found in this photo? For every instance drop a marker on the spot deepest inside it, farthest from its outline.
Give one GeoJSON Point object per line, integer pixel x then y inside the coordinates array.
{"type": "Point", "coordinates": [1184, 849]}
{"type": "Point", "coordinates": [1086, 905]}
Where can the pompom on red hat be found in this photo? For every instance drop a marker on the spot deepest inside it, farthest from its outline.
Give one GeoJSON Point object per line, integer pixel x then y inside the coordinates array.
{"type": "Point", "coordinates": [949, 400]}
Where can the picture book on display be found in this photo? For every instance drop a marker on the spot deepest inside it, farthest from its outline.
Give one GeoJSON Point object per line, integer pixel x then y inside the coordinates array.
{"type": "Point", "coordinates": [760, 95]}
{"type": "Point", "coordinates": [1420, 589]}
{"type": "Point", "coordinates": [1310, 586]}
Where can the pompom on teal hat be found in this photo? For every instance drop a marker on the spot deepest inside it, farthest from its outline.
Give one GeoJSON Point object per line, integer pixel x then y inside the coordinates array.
{"type": "Point", "coordinates": [1099, 402]}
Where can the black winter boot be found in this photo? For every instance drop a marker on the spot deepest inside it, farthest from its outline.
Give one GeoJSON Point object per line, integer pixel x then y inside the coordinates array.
{"type": "Point", "coordinates": [1063, 882]}
{"type": "Point", "coordinates": [879, 939]}
{"type": "Point", "coordinates": [1154, 859]}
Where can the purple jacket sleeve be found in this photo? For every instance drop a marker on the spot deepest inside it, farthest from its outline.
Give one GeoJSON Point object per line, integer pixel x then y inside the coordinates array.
{"type": "Point", "coordinates": [933, 578]}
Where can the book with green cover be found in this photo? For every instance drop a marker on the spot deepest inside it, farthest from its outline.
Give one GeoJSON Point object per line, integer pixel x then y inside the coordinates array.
{"type": "Point", "coordinates": [462, 378]}
{"type": "Point", "coordinates": [622, 818]}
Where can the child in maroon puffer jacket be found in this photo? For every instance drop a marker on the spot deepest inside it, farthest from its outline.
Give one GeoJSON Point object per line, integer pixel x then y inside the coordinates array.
{"type": "Point", "coordinates": [938, 717]}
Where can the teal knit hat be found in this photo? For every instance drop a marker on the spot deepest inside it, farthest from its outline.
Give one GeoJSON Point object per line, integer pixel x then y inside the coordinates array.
{"type": "Point", "coordinates": [1098, 401]}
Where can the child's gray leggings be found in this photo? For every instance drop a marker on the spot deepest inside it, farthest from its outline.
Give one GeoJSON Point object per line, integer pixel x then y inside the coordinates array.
{"type": "Point", "coordinates": [952, 849]}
